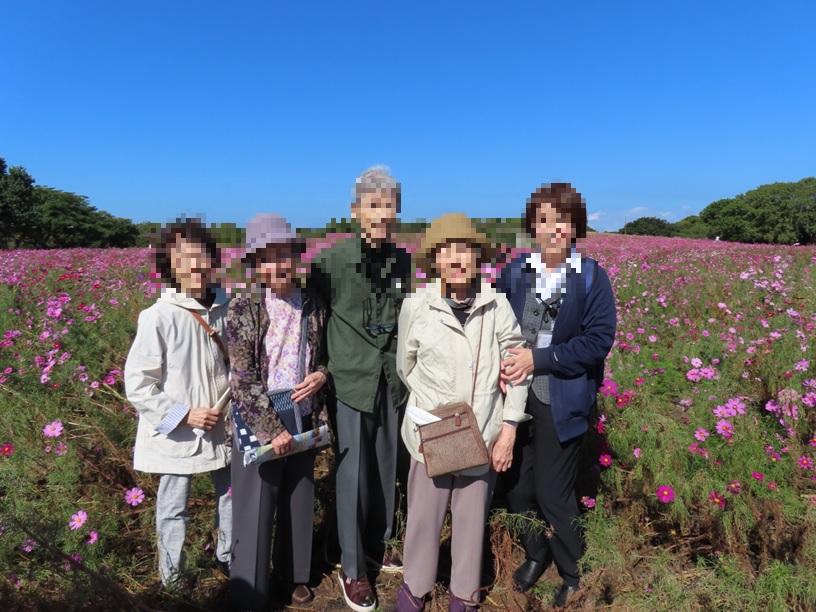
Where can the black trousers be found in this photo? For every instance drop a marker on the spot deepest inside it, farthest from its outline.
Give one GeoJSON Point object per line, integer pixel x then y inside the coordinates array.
{"type": "Point", "coordinates": [545, 485]}
{"type": "Point", "coordinates": [277, 495]}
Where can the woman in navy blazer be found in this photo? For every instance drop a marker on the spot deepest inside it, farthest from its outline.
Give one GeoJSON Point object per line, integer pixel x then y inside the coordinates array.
{"type": "Point", "coordinates": [566, 308]}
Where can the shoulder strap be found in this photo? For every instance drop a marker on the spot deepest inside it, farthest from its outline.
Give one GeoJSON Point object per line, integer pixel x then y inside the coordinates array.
{"type": "Point", "coordinates": [478, 354]}
{"type": "Point", "coordinates": [210, 332]}
{"type": "Point", "coordinates": [592, 271]}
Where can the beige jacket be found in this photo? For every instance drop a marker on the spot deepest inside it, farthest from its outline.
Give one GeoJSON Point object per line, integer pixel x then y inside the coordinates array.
{"type": "Point", "coordinates": [436, 358]}
{"type": "Point", "coordinates": [174, 366]}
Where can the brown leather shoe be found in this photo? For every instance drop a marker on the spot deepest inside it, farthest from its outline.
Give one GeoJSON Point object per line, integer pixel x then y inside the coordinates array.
{"type": "Point", "coordinates": [358, 593]}
{"type": "Point", "coordinates": [302, 594]}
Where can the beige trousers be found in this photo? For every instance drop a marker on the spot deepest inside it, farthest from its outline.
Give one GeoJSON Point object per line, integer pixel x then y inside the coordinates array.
{"type": "Point", "coordinates": [427, 505]}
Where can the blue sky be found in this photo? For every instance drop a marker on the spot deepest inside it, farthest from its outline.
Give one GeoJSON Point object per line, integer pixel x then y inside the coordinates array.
{"type": "Point", "coordinates": [152, 109]}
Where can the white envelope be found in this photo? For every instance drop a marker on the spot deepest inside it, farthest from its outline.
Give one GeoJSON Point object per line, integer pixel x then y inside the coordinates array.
{"type": "Point", "coordinates": [419, 416]}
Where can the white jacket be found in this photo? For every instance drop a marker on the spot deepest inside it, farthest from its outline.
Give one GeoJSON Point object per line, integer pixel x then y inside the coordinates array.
{"type": "Point", "coordinates": [174, 366]}
{"type": "Point", "coordinates": [436, 357]}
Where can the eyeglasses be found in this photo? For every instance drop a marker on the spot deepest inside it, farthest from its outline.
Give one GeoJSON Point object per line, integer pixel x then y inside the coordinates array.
{"type": "Point", "coordinates": [377, 329]}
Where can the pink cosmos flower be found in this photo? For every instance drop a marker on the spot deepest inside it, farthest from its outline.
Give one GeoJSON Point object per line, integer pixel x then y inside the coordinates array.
{"type": "Point", "coordinates": [636, 453]}
{"type": "Point", "coordinates": [806, 463]}
{"type": "Point", "coordinates": [734, 487]}
{"type": "Point", "coordinates": [78, 520]}
{"type": "Point", "coordinates": [609, 387]}
{"type": "Point", "coordinates": [6, 449]}
{"type": "Point", "coordinates": [694, 375]}
{"type": "Point", "coordinates": [665, 493]}
{"type": "Point", "coordinates": [718, 500]}
{"type": "Point", "coordinates": [773, 486]}
{"type": "Point", "coordinates": [134, 496]}
{"type": "Point", "coordinates": [696, 362]}
{"type": "Point", "coordinates": [61, 449]}
{"type": "Point", "coordinates": [725, 428]}
{"type": "Point", "coordinates": [53, 430]}
{"type": "Point", "coordinates": [758, 476]}
{"type": "Point", "coordinates": [109, 380]}
{"type": "Point", "coordinates": [605, 460]}
{"type": "Point", "coordinates": [28, 545]}
{"type": "Point", "coordinates": [588, 502]}
{"type": "Point", "coordinates": [93, 536]}
{"type": "Point", "coordinates": [802, 365]}
{"type": "Point", "coordinates": [701, 434]}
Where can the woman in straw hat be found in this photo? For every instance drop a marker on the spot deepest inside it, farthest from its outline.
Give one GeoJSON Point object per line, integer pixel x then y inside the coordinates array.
{"type": "Point", "coordinates": [278, 358]}
{"type": "Point", "coordinates": [453, 334]}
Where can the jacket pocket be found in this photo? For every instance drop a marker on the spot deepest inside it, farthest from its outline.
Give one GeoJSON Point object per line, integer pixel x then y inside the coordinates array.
{"type": "Point", "coordinates": [179, 443]}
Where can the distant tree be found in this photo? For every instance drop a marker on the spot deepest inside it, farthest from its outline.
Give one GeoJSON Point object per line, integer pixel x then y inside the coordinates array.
{"type": "Point", "coordinates": [648, 226]}
{"type": "Point", "coordinates": [693, 227]}
{"type": "Point", "coordinates": [17, 205]}
{"type": "Point", "coordinates": [778, 213]}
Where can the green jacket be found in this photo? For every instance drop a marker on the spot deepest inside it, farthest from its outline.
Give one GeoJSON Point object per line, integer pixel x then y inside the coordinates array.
{"type": "Point", "coordinates": [362, 321]}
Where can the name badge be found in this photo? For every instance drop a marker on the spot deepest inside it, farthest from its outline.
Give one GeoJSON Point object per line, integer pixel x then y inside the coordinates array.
{"type": "Point", "coordinates": [544, 339]}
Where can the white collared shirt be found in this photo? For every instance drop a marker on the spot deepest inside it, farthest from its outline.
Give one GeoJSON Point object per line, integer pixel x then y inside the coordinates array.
{"type": "Point", "coordinates": [551, 283]}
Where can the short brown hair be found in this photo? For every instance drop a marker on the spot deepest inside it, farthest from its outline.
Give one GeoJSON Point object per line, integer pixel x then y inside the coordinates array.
{"type": "Point", "coordinates": [190, 229]}
{"type": "Point", "coordinates": [566, 201]}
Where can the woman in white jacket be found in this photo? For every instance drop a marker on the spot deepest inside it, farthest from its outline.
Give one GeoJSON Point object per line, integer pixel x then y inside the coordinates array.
{"type": "Point", "coordinates": [174, 376]}
{"type": "Point", "coordinates": [448, 330]}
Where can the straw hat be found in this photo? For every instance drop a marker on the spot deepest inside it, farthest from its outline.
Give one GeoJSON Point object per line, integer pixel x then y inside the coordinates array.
{"type": "Point", "coordinates": [453, 227]}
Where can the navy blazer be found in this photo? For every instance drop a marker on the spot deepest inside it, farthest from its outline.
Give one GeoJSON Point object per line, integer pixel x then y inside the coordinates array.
{"type": "Point", "coordinates": [583, 334]}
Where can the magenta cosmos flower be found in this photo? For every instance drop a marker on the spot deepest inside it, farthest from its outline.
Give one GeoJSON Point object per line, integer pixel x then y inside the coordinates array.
{"type": "Point", "coordinates": [134, 497]}
{"type": "Point", "coordinates": [718, 500]}
{"type": "Point", "coordinates": [665, 493]}
{"type": "Point", "coordinates": [78, 520]}
{"type": "Point", "coordinates": [605, 460]}
{"type": "Point", "coordinates": [6, 449]}
{"type": "Point", "coordinates": [53, 430]}
{"type": "Point", "coordinates": [806, 463]}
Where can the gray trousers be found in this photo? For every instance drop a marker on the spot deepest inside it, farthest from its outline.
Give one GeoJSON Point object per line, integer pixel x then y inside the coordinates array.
{"type": "Point", "coordinates": [285, 486]}
{"type": "Point", "coordinates": [172, 517]}
{"type": "Point", "coordinates": [366, 480]}
{"type": "Point", "coordinates": [427, 506]}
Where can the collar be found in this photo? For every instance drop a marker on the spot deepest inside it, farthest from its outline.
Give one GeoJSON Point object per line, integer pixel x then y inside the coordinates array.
{"type": "Point", "coordinates": [550, 283]}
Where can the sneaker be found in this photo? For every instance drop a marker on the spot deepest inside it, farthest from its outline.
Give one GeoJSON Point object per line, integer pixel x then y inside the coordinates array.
{"type": "Point", "coordinates": [390, 563]}
{"type": "Point", "coordinates": [357, 593]}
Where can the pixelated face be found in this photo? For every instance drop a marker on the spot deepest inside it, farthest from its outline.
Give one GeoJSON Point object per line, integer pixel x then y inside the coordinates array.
{"type": "Point", "coordinates": [552, 231]}
{"type": "Point", "coordinates": [376, 212]}
{"type": "Point", "coordinates": [192, 266]}
{"type": "Point", "coordinates": [276, 267]}
{"type": "Point", "coordinates": [457, 263]}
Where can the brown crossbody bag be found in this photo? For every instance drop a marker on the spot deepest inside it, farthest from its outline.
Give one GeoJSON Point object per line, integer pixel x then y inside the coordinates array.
{"type": "Point", "coordinates": [454, 442]}
{"type": "Point", "coordinates": [210, 332]}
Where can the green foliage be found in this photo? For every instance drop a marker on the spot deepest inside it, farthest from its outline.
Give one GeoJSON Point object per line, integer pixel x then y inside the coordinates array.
{"type": "Point", "coordinates": [779, 213]}
{"type": "Point", "coordinates": [649, 226]}
{"type": "Point", "coordinates": [42, 217]}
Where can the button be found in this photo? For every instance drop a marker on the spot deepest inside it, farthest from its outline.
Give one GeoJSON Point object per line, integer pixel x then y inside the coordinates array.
{"type": "Point", "coordinates": [535, 312]}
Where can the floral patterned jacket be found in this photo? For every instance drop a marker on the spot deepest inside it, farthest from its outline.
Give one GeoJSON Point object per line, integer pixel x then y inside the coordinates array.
{"type": "Point", "coordinates": [247, 324]}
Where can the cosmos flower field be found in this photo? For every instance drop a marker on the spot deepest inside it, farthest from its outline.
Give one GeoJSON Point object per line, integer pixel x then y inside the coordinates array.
{"type": "Point", "coordinates": [698, 481]}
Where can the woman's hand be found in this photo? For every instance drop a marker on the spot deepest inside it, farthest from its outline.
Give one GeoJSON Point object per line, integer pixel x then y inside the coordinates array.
{"type": "Point", "coordinates": [501, 456]}
{"type": "Point", "coordinates": [515, 369]}
{"type": "Point", "coordinates": [202, 418]}
{"type": "Point", "coordinates": [310, 385]}
{"type": "Point", "coordinates": [283, 443]}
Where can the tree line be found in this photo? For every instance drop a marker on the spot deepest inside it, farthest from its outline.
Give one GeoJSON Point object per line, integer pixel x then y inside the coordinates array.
{"type": "Point", "coordinates": [35, 216]}
{"type": "Point", "coordinates": [778, 213]}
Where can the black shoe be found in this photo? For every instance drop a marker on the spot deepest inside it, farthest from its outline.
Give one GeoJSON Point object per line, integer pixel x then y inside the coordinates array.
{"type": "Point", "coordinates": [528, 574]}
{"type": "Point", "coordinates": [563, 594]}
{"type": "Point", "coordinates": [223, 567]}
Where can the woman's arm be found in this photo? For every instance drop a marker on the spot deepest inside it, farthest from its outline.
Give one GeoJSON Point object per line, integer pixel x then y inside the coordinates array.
{"type": "Point", "coordinates": [508, 333]}
{"type": "Point", "coordinates": [407, 344]}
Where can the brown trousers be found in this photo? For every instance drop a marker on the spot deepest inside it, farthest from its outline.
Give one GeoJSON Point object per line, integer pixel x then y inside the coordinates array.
{"type": "Point", "coordinates": [427, 505]}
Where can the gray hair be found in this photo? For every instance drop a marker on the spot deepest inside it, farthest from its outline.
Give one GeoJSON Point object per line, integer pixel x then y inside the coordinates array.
{"type": "Point", "coordinates": [376, 179]}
